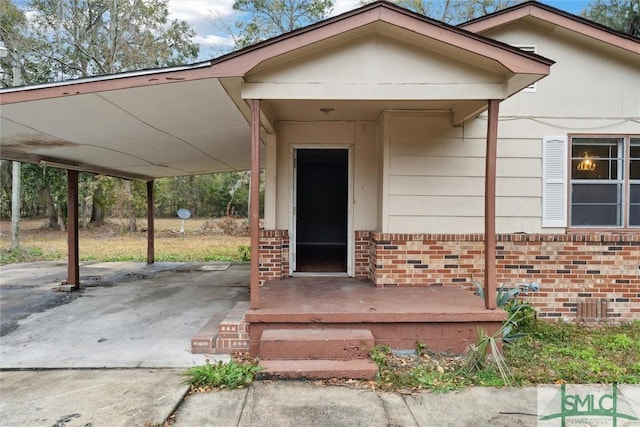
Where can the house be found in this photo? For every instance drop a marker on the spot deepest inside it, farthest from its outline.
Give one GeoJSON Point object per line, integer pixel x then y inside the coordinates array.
{"type": "Point", "coordinates": [392, 145]}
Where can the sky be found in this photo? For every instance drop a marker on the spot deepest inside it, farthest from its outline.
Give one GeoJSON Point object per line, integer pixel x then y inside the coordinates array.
{"type": "Point", "coordinates": [213, 41]}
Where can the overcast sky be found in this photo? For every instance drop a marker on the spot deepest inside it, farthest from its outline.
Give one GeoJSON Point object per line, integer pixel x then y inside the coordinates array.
{"type": "Point", "coordinates": [213, 41]}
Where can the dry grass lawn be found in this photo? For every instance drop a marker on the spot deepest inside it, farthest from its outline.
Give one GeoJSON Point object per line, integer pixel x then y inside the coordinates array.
{"type": "Point", "coordinates": [203, 240]}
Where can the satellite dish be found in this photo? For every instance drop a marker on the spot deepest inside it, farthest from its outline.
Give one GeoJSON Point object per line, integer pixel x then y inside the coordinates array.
{"type": "Point", "coordinates": [183, 214]}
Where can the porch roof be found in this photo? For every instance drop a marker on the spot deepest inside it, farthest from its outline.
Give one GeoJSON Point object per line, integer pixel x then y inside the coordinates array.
{"type": "Point", "coordinates": [195, 119]}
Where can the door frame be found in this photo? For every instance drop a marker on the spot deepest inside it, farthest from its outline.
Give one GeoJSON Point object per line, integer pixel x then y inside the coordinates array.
{"type": "Point", "coordinates": [293, 178]}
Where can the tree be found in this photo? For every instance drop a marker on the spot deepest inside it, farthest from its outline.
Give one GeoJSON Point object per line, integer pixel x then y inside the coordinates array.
{"type": "Point", "coordinates": [84, 38]}
{"type": "Point", "coordinates": [81, 38]}
{"type": "Point", "coordinates": [619, 15]}
{"type": "Point", "coordinates": [46, 186]}
{"type": "Point", "coordinates": [263, 19]}
{"type": "Point", "coordinates": [455, 11]}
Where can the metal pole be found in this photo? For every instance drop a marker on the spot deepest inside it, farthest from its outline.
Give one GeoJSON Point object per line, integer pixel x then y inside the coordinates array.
{"type": "Point", "coordinates": [73, 262]}
{"type": "Point", "coordinates": [150, 224]}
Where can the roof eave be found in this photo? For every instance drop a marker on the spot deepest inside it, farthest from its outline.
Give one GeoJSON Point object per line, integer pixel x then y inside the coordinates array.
{"type": "Point", "coordinates": [556, 17]}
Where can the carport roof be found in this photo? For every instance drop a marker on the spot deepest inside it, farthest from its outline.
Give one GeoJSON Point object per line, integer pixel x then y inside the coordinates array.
{"type": "Point", "coordinates": [193, 119]}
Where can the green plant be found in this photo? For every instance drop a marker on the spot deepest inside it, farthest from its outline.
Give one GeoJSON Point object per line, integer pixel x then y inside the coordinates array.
{"type": "Point", "coordinates": [620, 342]}
{"type": "Point", "coordinates": [524, 315]}
{"type": "Point", "coordinates": [245, 253]}
{"type": "Point", "coordinates": [379, 355]}
{"type": "Point", "coordinates": [486, 353]}
{"type": "Point", "coordinates": [503, 295]}
{"type": "Point", "coordinates": [477, 358]}
{"type": "Point", "coordinates": [224, 375]}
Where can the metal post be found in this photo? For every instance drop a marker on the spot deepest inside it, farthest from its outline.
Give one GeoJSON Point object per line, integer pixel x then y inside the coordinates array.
{"type": "Point", "coordinates": [73, 262]}
{"type": "Point", "coordinates": [254, 197]}
{"type": "Point", "coordinates": [150, 224]}
{"type": "Point", "coordinates": [490, 207]}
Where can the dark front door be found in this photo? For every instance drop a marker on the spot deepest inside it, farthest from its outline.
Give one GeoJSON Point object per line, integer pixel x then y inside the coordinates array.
{"type": "Point", "coordinates": [321, 210]}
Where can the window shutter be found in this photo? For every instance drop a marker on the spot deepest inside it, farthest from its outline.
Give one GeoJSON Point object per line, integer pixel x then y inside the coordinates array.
{"type": "Point", "coordinates": [554, 181]}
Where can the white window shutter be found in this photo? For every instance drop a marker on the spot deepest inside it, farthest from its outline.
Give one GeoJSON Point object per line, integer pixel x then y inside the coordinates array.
{"type": "Point", "coordinates": [554, 181]}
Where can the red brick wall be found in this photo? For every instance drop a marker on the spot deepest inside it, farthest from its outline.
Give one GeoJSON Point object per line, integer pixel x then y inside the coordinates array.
{"type": "Point", "coordinates": [571, 268]}
{"type": "Point", "coordinates": [362, 254]}
{"type": "Point", "coordinates": [274, 255]}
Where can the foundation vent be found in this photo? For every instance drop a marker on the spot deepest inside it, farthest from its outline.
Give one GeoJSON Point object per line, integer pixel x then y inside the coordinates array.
{"type": "Point", "coordinates": [592, 309]}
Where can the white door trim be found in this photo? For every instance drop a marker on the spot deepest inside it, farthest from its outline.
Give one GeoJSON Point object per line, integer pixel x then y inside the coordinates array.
{"type": "Point", "coordinates": [293, 204]}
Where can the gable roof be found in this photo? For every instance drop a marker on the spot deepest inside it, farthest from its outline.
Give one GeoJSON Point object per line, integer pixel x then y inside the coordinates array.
{"type": "Point", "coordinates": [378, 12]}
{"type": "Point", "coordinates": [560, 18]}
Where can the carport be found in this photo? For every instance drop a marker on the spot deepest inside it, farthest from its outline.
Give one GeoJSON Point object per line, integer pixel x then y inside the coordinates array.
{"type": "Point", "coordinates": [140, 125]}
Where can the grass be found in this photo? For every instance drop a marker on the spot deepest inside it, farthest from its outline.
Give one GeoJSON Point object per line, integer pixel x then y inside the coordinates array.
{"type": "Point", "coordinates": [548, 353]}
{"type": "Point", "coordinates": [109, 243]}
{"type": "Point", "coordinates": [571, 353]}
{"type": "Point", "coordinates": [230, 375]}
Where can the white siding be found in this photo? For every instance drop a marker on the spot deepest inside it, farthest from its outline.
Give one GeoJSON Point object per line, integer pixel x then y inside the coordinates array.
{"type": "Point", "coordinates": [436, 179]}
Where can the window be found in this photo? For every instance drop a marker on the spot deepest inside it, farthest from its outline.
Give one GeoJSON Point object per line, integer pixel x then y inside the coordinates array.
{"type": "Point", "coordinates": [605, 181]}
{"type": "Point", "coordinates": [634, 182]}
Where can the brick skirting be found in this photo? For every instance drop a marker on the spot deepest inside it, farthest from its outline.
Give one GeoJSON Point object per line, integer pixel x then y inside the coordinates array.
{"type": "Point", "coordinates": [572, 269]}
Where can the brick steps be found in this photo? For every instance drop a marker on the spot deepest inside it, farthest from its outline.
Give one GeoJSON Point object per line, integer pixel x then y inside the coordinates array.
{"type": "Point", "coordinates": [362, 369]}
{"type": "Point", "coordinates": [223, 335]}
{"type": "Point", "coordinates": [337, 344]}
{"type": "Point", "coordinates": [317, 354]}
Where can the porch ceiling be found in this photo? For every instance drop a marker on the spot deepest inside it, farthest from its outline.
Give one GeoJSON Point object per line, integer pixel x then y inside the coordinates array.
{"type": "Point", "coordinates": [179, 128]}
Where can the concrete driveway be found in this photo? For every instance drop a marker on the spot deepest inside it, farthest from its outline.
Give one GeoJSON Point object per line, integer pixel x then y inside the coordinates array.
{"type": "Point", "coordinates": [126, 315]}
{"type": "Point", "coordinates": [55, 346]}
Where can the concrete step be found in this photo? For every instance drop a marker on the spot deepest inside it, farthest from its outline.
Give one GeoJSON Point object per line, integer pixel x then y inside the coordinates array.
{"type": "Point", "coordinates": [360, 369]}
{"type": "Point", "coordinates": [339, 344]}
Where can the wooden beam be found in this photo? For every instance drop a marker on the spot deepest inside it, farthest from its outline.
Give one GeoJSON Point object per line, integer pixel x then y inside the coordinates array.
{"type": "Point", "coordinates": [150, 224]}
{"type": "Point", "coordinates": [73, 260]}
{"type": "Point", "coordinates": [490, 207]}
{"type": "Point", "coordinates": [254, 201]}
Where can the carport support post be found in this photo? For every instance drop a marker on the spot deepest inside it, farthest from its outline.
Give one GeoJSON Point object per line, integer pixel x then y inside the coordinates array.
{"type": "Point", "coordinates": [150, 224]}
{"type": "Point", "coordinates": [254, 202]}
{"type": "Point", "coordinates": [73, 261]}
{"type": "Point", "coordinates": [490, 207]}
